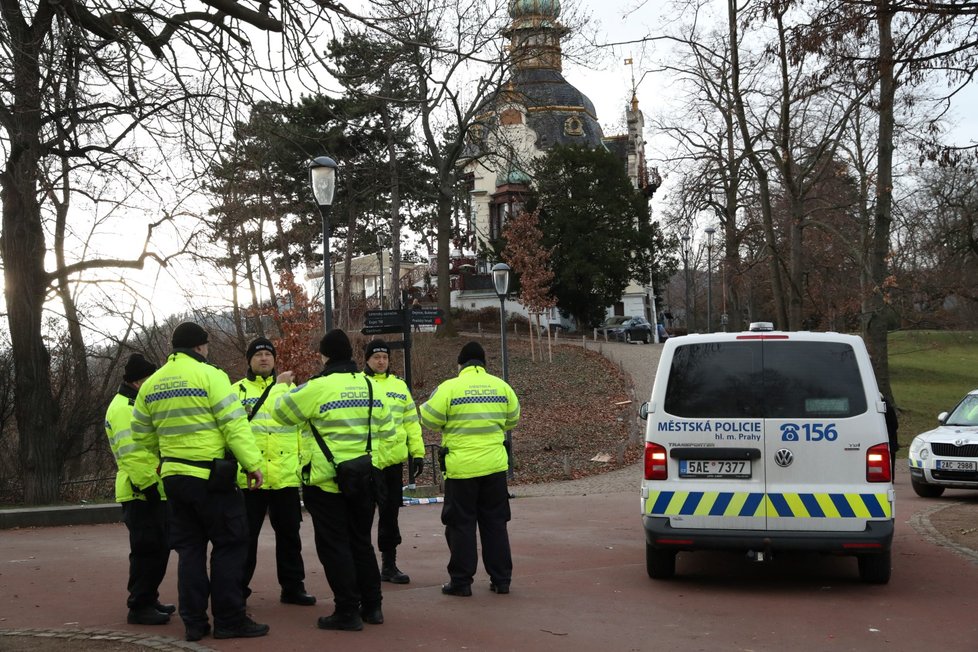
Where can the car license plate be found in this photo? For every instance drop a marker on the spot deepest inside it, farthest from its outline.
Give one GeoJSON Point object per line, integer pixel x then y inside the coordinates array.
{"type": "Point", "coordinates": [737, 469]}
{"type": "Point", "coordinates": [957, 465]}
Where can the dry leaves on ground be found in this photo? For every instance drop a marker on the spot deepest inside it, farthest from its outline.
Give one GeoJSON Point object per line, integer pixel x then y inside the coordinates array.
{"type": "Point", "coordinates": [573, 408]}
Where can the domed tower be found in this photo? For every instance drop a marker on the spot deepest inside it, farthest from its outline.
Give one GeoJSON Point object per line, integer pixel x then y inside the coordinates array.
{"type": "Point", "coordinates": [534, 35]}
{"type": "Point", "coordinates": [558, 113]}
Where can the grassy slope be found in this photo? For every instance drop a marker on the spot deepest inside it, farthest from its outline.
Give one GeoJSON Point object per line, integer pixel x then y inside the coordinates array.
{"type": "Point", "coordinates": [574, 408]}
{"type": "Point", "coordinates": [930, 371]}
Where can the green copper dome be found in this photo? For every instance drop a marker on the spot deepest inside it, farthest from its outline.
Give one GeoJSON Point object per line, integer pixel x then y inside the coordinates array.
{"type": "Point", "coordinates": [524, 8]}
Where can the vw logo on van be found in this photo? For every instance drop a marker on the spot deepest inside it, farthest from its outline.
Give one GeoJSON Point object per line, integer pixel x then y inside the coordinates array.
{"type": "Point", "coordinates": [784, 457]}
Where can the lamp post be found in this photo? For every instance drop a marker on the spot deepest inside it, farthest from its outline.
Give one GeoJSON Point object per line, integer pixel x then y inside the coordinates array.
{"type": "Point", "coordinates": [689, 308]}
{"type": "Point", "coordinates": [709, 278]}
{"type": "Point", "coordinates": [500, 279]}
{"type": "Point", "coordinates": [322, 178]}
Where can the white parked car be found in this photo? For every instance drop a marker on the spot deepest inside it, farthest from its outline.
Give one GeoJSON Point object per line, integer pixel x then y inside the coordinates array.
{"type": "Point", "coordinates": [947, 456]}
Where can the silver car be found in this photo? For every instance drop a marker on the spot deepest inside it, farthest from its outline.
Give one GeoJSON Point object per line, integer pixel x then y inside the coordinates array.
{"type": "Point", "coordinates": [947, 456]}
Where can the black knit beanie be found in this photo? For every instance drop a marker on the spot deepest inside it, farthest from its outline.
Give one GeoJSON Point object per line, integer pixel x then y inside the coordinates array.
{"type": "Point", "coordinates": [375, 346]}
{"type": "Point", "coordinates": [259, 344]}
{"type": "Point", "coordinates": [335, 345]}
{"type": "Point", "coordinates": [137, 368]}
{"type": "Point", "coordinates": [472, 351]}
{"type": "Point", "coordinates": [188, 335]}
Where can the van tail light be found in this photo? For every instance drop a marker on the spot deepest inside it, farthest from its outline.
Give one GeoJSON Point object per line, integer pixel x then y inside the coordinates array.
{"type": "Point", "coordinates": [655, 462]}
{"type": "Point", "coordinates": [877, 463]}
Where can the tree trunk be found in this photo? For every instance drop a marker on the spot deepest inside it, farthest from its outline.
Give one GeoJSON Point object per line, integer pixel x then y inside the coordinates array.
{"type": "Point", "coordinates": [252, 286]}
{"type": "Point", "coordinates": [25, 284]}
{"type": "Point", "coordinates": [76, 340]}
{"type": "Point", "coordinates": [447, 328]}
{"type": "Point", "coordinates": [874, 317]}
{"type": "Point", "coordinates": [796, 266]}
{"type": "Point", "coordinates": [346, 319]}
{"type": "Point", "coordinates": [763, 183]}
{"type": "Point", "coordinates": [395, 208]}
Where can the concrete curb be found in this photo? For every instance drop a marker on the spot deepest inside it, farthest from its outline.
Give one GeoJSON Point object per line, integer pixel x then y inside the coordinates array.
{"type": "Point", "coordinates": [58, 515]}
{"type": "Point", "coordinates": [164, 643]}
{"type": "Point", "coordinates": [922, 524]}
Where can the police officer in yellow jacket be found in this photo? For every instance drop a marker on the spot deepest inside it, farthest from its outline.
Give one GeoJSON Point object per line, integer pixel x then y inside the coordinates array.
{"type": "Point", "coordinates": [188, 415]}
{"type": "Point", "coordinates": [473, 412]}
{"type": "Point", "coordinates": [142, 512]}
{"type": "Point", "coordinates": [279, 494]}
{"type": "Point", "coordinates": [408, 441]}
{"type": "Point", "coordinates": [338, 405]}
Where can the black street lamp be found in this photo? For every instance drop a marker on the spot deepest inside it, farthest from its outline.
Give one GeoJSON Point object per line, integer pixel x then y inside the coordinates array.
{"type": "Point", "coordinates": [709, 278]}
{"type": "Point", "coordinates": [500, 279]}
{"type": "Point", "coordinates": [689, 307]}
{"type": "Point", "coordinates": [322, 178]}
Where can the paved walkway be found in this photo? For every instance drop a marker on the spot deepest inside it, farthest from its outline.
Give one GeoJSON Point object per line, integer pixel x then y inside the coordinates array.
{"type": "Point", "coordinates": [579, 584]}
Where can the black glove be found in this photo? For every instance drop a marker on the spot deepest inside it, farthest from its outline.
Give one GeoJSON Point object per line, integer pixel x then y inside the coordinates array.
{"type": "Point", "coordinates": [418, 467]}
{"type": "Point", "coordinates": [152, 493]}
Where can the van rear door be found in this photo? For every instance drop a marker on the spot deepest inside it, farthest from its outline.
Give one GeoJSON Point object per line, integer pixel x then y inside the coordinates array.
{"type": "Point", "coordinates": [820, 421]}
{"type": "Point", "coordinates": [713, 435]}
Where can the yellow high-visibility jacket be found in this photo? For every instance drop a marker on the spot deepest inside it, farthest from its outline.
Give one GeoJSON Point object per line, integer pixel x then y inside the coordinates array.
{"type": "Point", "coordinates": [473, 411]}
{"type": "Point", "coordinates": [338, 405]}
{"type": "Point", "coordinates": [128, 455]}
{"type": "Point", "coordinates": [408, 440]}
{"type": "Point", "coordinates": [278, 444]}
{"type": "Point", "coordinates": [187, 410]}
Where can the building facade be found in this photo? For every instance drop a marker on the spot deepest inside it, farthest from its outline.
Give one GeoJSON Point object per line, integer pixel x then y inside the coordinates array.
{"type": "Point", "coordinates": [536, 110]}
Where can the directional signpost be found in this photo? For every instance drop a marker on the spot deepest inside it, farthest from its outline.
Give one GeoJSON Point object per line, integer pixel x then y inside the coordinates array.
{"type": "Point", "coordinates": [379, 322]}
{"type": "Point", "coordinates": [427, 316]}
{"type": "Point", "coordinates": [382, 322]}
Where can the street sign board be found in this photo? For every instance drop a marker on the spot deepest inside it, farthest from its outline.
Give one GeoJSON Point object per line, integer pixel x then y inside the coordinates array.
{"type": "Point", "coordinates": [384, 318]}
{"type": "Point", "coordinates": [380, 329]}
{"type": "Point", "coordinates": [427, 316]}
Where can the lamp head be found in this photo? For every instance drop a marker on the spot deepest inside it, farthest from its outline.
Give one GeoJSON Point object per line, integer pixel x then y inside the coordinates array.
{"type": "Point", "coordinates": [322, 177]}
{"type": "Point", "coordinates": [500, 278]}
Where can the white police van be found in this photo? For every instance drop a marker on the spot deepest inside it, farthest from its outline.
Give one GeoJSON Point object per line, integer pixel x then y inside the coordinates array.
{"type": "Point", "coordinates": [762, 441]}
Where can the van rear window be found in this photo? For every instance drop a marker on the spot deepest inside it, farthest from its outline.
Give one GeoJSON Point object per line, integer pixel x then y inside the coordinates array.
{"type": "Point", "coordinates": [765, 379]}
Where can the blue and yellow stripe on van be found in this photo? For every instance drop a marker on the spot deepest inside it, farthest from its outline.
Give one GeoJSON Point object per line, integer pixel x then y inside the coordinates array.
{"type": "Point", "coordinates": [756, 504]}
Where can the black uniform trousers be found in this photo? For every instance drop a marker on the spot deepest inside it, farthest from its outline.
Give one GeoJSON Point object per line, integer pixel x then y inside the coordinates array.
{"type": "Point", "coordinates": [388, 532]}
{"type": "Point", "coordinates": [149, 551]}
{"type": "Point", "coordinates": [342, 528]}
{"type": "Point", "coordinates": [482, 502]}
{"type": "Point", "coordinates": [285, 514]}
{"type": "Point", "coordinates": [197, 517]}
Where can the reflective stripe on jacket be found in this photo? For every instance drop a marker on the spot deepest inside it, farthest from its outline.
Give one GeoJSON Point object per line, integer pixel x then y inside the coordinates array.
{"type": "Point", "coordinates": [187, 410]}
{"type": "Point", "coordinates": [408, 440]}
{"type": "Point", "coordinates": [128, 455]}
{"type": "Point", "coordinates": [278, 444]}
{"type": "Point", "coordinates": [473, 411]}
{"type": "Point", "coordinates": [338, 405]}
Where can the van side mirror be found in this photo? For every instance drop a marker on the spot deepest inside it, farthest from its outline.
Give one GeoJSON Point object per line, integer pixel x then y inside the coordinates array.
{"type": "Point", "coordinates": [643, 410]}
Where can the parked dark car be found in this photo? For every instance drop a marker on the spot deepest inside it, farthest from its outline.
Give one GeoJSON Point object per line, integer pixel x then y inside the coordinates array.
{"type": "Point", "coordinates": [627, 329]}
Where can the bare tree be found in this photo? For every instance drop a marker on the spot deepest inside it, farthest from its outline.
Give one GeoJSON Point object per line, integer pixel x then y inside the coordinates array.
{"type": "Point", "coordinates": [84, 83]}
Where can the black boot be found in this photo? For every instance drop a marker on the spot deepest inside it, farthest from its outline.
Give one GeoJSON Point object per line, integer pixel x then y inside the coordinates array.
{"type": "Point", "coordinates": [349, 622]}
{"type": "Point", "coordinates": [389, 571]}
{"type": "Point", "coordinates": [372, 615]}
{"type": "Point", "coordinates": [147, 616]}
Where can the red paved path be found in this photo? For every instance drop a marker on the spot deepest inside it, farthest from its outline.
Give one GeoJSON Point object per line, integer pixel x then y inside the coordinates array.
{"type": "Point", "coordinates": [579, 584]}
